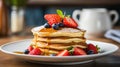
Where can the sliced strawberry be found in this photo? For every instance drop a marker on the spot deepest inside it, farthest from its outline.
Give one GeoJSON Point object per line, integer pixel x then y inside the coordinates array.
{"type": "Point", "coordinates": [30, 48]}
{"type": "Point", "coordinates": [63, 53]}
{"type": "Point", "coordinates": [69, 22]}
{"type": "Point", "coordinates": [35, 51]}
{"type": "Point", "coordinates": [79, 51]}
{"type": "Point", "coordinates": [52, 18]}
{"type": "Point", "coordinates": [92, 47]}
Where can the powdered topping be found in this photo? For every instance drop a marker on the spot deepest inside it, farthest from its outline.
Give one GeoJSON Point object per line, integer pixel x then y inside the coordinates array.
{"type": "Point", "coordinates": [69, 30]}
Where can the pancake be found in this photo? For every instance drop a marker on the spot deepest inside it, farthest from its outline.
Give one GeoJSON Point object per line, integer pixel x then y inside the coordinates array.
{"type": "Point", "coordinates": [62, 40]}
{"type": "Point", "coordinates": [63, 32]}
{"type": "Point", "coordinates": [57, 46]}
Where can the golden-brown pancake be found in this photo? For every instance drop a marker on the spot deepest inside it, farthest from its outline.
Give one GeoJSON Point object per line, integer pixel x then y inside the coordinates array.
{"type": "Point", "coordinates": [57, 46]}
{"type": "Point", "coordinates": [61, 40]}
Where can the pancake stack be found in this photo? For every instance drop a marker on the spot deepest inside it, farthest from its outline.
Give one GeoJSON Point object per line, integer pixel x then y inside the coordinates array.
{"type": "Point", "coordinates": [52, 41]}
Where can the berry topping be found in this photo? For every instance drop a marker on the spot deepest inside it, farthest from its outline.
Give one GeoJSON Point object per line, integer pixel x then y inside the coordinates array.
{"type": "Point", "coordinates": [61, 24]}
{"type": "Point", "coordinates": [61, 19]}
{"type": "Point", "coordinates": [52, 18]}
{"type": "Point", "coordinates": [63, 53]}
{"type": "Point", "coordinates": [79, 51]}
{"type": "Point", "coordinates": [90, 52]}
{"type": "Point", "coordinates": [35, 51]}
{"type": "Point", "coordinates": [92, 47]}
{"type": "Point", "coordinates": [55, 26]}
{"type": "Point", "coordinates": [26, 51]}
{"type": "Point", "coordinates": [30, 48]}
{"type": "Point", "coordinates": [46, 25]}
{"type": "Point", "coordinates": [52, 54]}
{"type": "Point", "coordinates": [69, 22]}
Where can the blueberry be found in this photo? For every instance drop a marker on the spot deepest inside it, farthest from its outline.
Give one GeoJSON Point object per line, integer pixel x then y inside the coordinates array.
{"type": "Point", "coordinates": [52, 54]}
{"type": "Point", "coordinates": [26, 51]}
{"type": "Point", "coordinates": [90, 52]}
{"type": "Point", "coordinates": [55, 26]}
{"type": "Point", "coordinates": [61, 24]}
{"type": "Point", "coordinates": [46, 25]}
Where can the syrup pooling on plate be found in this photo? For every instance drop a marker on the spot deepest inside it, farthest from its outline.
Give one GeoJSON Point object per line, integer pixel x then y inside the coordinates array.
{"type": "Point", "coordinates": [18, 52]}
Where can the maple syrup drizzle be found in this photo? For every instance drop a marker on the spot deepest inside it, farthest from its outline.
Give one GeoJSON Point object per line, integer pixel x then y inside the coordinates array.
{"type": "Point", "coordinates": [47, 51]}
{"type": "Point", "coordinates": [36, 37]}
{"type": "Point", "coordinates": [50, 30]}
{"type": "Point", "coordinates": [18, 52]}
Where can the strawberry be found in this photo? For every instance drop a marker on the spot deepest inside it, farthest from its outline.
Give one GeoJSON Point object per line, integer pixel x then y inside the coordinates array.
{"type": "Point", "coordinates": [30, 48]}
{"type": "Point", "coordinates": [69, 22]}
{"type": "Point", "coordinates": [35, 51]}
{"type": "Point", "coordinates": [63, 53]}
{"type": "Point", "coordinates": [93, 48]}
{"type": "Point", "coordinates": [52, 18]}
{"type": "Point", "coordinates": [79, 51]}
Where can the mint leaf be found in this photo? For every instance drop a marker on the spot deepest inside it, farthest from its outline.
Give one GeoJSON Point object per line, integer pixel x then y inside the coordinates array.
{"type": "Point", "coordinates": [70, 48]}
{"type": "Point", "coordinates": [60, 13]}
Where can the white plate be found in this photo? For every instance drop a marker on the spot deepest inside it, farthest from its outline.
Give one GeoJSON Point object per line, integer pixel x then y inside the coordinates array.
{"type": "Point", "coordinates": [9, 48]}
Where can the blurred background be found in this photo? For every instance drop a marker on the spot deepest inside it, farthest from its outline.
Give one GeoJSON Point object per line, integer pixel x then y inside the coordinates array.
{"type": "Point", "coordinates": [17, 17]}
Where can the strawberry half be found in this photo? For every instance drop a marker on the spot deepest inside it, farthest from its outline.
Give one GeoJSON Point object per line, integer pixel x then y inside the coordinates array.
{"type": "Point", "coordinates": [52, 18]}
{"type": "Point", "coordinates": [92, 47]}
{"type": "Point", "coordinates": [69, 22]}
{"type": "Point", "coordinates": [30, 48]}
{"type": "Point", "coordinates": [63, 53]}
{"type": "Point", "coordinates": [79, 51]}
{"type": "Point", "coordinates": [35, 51]}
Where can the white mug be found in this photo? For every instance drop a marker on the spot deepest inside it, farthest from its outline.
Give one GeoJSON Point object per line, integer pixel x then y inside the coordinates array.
{"type": "Point", "coordinates": [96, 20]}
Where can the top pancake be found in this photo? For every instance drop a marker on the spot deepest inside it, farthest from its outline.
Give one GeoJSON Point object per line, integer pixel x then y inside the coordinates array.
{"type": "Point", "coordinates": [63, 32]}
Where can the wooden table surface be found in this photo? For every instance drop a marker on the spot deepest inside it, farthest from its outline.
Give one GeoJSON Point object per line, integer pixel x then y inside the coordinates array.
{"type": "Point", "coordinates": [10, 61]}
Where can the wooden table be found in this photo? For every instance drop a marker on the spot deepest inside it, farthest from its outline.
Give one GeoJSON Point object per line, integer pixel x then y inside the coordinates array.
{"type": "Point", "coordinates": [10, 61]}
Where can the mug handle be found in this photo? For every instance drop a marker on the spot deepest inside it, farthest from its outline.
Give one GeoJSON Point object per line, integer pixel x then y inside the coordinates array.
{"type": "Point", "coordinates": [113, 12]}
{"type": "Point", "coordinates": [75, 14]}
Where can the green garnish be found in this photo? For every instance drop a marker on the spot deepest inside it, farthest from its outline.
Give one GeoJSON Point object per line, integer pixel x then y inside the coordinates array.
{"type": "Point", "coordinates": [71, 52]}
{"type": "Point", "coordinates": [60, 13]}
{"type": "Point", "coordinates": [70, 48]}
{"type": "Point", "coordinates": [98, 48]}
